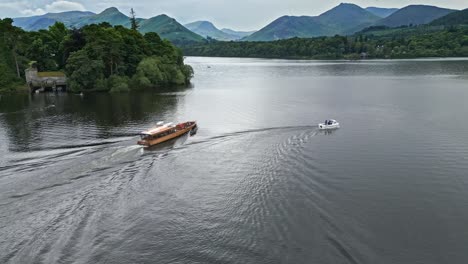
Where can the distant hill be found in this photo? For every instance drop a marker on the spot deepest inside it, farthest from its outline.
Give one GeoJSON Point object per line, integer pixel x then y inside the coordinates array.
{"type": "Point", "coordinates": [414, 15]}
{"type": "Point", "coordinates": [238, 34]}
{"type": "Point", "coordinates": [170, 29]}
{"type": "Point", "coordinates": [452, 19]}
{"type": "Point", "coordinates": [347, 19]}
{"type": "Point", "coordinates": [381, 12]}
{"type": "Point", "coordinates": [44, 21]}
{"type": "Point", "coordinates": [207, 29]}
{"type": "Point", "coordinates": [165, 26]}
{"type": "Point", "coordinates": [343, 19]}
{"type": "Point", "coordinates": [111, 15]}
{"type": "Point", "coordinates": [289, 27]}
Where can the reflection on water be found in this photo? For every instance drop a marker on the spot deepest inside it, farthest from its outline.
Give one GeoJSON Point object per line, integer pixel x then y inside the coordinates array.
{"type": "Point", "coordinates": [65, 120]}
{"type": "Point", "coordinates": [259, 183]}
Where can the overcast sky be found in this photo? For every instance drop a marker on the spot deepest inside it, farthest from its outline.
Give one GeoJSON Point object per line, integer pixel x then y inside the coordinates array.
{"type": "Point", "coordinates": [235, 14]}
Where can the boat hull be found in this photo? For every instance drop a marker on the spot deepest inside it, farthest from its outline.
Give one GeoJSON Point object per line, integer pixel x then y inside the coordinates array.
{"type": "Point", "coordinates": [153, 142]}
{"type": "Point", "coordinates": [334, 126]}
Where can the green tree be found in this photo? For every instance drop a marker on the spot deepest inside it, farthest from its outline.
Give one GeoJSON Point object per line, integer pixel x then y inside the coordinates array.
{"type": "Point", "coordinates": [84, 73]}
{"type": "Point", "coordinates": [13, 39]}
{"type": "Point", "coordinates": [134, 25]}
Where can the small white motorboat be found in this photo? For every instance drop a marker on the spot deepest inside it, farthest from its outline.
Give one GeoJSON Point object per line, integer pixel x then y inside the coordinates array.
{"type": "Point", "coordinates": [329, 124]}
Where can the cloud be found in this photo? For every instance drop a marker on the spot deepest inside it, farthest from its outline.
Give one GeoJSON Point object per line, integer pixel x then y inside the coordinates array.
{"type": "Point", "coordinates": [55, 7]}
{"type": "Point", "coordinates": [61, 6]}
{"type": "Point", "coordinates": [33, 12]}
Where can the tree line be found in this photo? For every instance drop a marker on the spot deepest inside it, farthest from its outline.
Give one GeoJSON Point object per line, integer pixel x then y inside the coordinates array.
{"type": "Point", "coordinates": [95, 57]}
{"type": "Point", "coordinates": [444, 42]}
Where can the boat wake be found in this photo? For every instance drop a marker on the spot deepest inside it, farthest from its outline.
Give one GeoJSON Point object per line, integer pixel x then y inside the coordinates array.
{"type": "Point", "coordinates": [251, 131]}
{"type": "Point", "coordinates": [90, 189]}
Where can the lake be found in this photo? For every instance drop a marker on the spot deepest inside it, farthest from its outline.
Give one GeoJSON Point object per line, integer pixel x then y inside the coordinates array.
{"type": "Point", "coordinates": [259, 183]}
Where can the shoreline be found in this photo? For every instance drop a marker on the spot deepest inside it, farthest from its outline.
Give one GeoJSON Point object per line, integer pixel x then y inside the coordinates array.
{"type": "Point", "coordinates": [343, 60]}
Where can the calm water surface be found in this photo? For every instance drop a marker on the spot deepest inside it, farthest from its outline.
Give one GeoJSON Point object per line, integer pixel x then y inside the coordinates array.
{"type": "Point", "coordinates": [258, 183]}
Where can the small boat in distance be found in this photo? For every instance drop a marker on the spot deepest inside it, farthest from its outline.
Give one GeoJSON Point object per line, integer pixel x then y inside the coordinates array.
{"type": "Point", "coordinates": [164, 132]}
{"type": "Point", "coordinates": [329, 124]}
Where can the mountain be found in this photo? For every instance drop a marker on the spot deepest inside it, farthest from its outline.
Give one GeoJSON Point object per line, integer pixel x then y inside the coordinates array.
{"type": "Point", "coordinates": [170, 29]}
{"type": "Point", "coordinates": [415, 15]}
{"type": "Point", "coordinates": [111, 15]}
{"type": "Point", "coordinates": [381, 12]}
{"type": "Point", "coordinates": [238, 34]}
{"type": "Point", "coordinates": [44, 21]}
{"type": "Point", "coordinates": [165, 26]}
{"type": "Point", "coordinates": [207, 29]}
{"type": "Point", "coordinates": [452, 19]}
{"type": "Point", "coordinates": [289, 27]}
{"type": "Point", "coordinates": [343, 19]}
{"type": "Point", "coordinates": [347, 19]}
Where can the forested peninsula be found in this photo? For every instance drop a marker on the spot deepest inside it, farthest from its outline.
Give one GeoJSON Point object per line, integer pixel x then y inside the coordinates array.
{"type": "Point", "coordinates": [95, 58]}
{"type": "Point", "coordinates": [371, 43]}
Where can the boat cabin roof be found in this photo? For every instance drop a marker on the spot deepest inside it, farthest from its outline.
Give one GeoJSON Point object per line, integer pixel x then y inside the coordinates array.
{"type": "Point", "coordinates": [156, 130]}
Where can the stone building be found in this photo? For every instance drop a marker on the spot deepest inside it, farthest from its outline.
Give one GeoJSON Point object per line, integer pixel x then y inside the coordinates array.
{"type": "Point", "coordinates": [45, 80]}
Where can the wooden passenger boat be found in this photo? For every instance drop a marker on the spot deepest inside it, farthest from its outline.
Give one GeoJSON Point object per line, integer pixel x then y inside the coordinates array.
{"type": "Point", "coordinates": [164, 132]}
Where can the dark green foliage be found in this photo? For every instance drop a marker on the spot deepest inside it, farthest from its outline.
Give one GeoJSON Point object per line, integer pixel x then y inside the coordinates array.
{"type": "Point", "coordinates": [46, 47]}
{"type": "Point", "coordinates": [117, 54]}
{"type": "Point", "coordinates": [11, 56]}
{"type": "Point", "coordinates": [157, 72]}
{"type": "Point", "coordinates": [84, 72]}
{"type": "Point", "coordinates": [8, 80]}
{"type": "Point", "coordinates": [451, 42]}
{"type": "Point", "coordinates": [94, 57]}
{"type": "Point", "coordinates": [134, 24]}
{"type": "Point", "coordinates": [118, 84]}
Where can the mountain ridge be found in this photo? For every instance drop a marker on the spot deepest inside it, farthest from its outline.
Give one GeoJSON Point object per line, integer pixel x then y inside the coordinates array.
{"type": "Point", "coordinates": [381, 12]}
{"type": "Point", "coordinates": [167, 27]}
{"type": "Point", "coordinates": [342, 19]}
{"type": "Point", "coordinates": [239, 34]}
{"type": "Point", "coordinates": [208, 30]}
{"type": "Point", "coordinates": [452, 19]}
{"type": "Point", "coordinates": [68, 18]}
{"type": "Point", "coordinates": [164, 25]}
{"type": "Point", "coordinates": [414, 15]}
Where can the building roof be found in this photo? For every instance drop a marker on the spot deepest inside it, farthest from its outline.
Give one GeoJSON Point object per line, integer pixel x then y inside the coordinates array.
{"type": "Point", "coordinates": [50, 74]}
